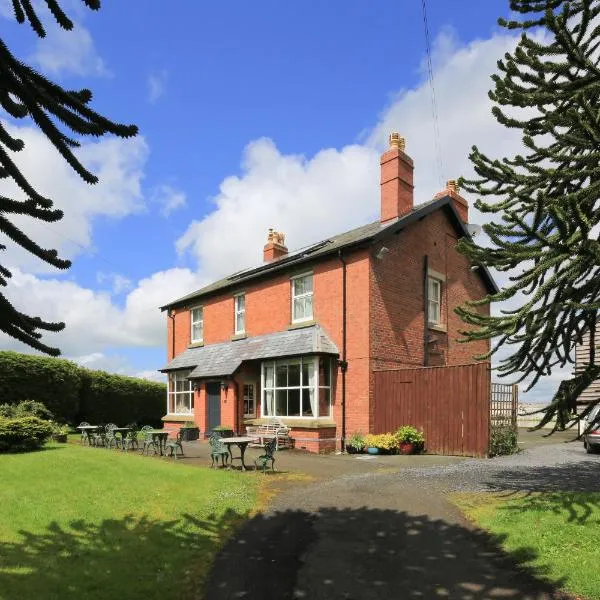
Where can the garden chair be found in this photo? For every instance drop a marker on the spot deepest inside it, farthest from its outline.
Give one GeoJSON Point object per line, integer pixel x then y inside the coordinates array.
{"type": "Point", "coordinates": [217, 448]}
{"type": "Point", "coordinates": [85, 437]}
{"type": "Point", "coordinates": [99, 436]}
{"type": "Point", "coordinates": [174, 443]}
{"type": "Point", "coordinates": [111, 440]}
{"type": "Point", "coordinates": [130, 441]}
{"type": "Point", "coordinates": [148, 440]}
{"type": "Point", "coordinates": [270, 448]}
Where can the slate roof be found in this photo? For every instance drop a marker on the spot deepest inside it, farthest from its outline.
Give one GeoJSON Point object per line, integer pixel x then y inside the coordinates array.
{"type": "Point", "coordinates": [370, 232]}
{"type": "Point", "coordinates": [218, 360]}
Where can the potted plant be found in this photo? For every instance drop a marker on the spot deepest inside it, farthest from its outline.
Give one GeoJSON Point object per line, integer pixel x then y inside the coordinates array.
{"type": "Point", "coordinates": [383, 443]}
{"type": "Point", "coordinates": [223, 430]}
{"type": "Point", "coordinates": [60, 432]}
{"type": "Point", "coordinates": [355, 444]}
{"type": "Point", "coordinates": [409, 439]}
{"type": "Point", "coordinates": [189, 431]}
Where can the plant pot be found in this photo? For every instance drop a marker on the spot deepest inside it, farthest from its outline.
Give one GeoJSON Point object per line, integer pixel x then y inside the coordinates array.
{"type": "Point", "coordinates": [354, 450]}
{"type": "Point", "coordinates": [407, 448]}
{"type": "Point", "coordinates": [190, 434]}
{"type": "Point", "coordinates": [372, 450]}
{"type": "Point", "coordinates": [61, 438]}
{"type": "Point", "coordinates": [223, 432]}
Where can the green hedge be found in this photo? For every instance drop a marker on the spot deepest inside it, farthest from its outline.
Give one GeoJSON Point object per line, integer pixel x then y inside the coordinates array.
{"type": "Point", "coordinates": [25, 433]}
{"type": "Point", "coordinates": [74, 394]}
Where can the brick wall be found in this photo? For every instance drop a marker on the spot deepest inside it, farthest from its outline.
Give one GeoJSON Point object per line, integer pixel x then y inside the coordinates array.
{"type": "Point", "coordinates": [397, 300]}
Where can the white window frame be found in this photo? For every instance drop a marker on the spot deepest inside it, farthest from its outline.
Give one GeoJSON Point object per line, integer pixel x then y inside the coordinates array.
{"type": "Point", "coordinates": [200, 322]}
{"type": "Point", "coordinates": [250, 384]}
{"type": "Point", "coordinates": [314, 361]}
{"type": "Point", "coordinates": [237, 312]}
{"type": "Point", "coordinates": [303, 295]}
{"type": "Point", "coordinates": [434, 303]}
{"type": "Point", "coordinates": [173, 377]}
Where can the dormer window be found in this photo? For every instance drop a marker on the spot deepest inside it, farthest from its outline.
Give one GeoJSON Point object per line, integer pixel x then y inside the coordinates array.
{"type": "Point", "coordinates": [197, 325]}
{"type": "Point", "coordinates": [302, 298]}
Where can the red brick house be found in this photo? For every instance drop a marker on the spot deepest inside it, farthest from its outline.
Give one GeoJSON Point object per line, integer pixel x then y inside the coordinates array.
{"type": "Point", "coordinates": [300, 336]}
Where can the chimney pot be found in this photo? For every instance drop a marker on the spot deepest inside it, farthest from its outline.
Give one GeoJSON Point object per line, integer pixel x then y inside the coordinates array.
{"type": "Point", "coordinates": [275, 247]}
{"type": "Point", "coordinates": [397, 141]}
{"type": "Point", "coordinates": [460, 204]}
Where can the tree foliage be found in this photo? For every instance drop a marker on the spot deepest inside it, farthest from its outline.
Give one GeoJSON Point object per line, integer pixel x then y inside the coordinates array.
{"type": "Point", "coordinates": [544, 203]}
{"type": "Point", "coordinates": [64, 116]}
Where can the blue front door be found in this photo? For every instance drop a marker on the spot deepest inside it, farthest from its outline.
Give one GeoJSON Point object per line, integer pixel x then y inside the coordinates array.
{"type": "Point", "coordinates": [213, 403]}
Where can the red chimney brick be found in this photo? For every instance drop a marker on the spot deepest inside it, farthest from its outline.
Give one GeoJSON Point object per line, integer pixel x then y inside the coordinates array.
{"type": "Point", "coordinates": [396, 180]}
{"type": "Point", "coordinates": [275, 247]}
{"type": "Point", "coordinates": [460, 203]}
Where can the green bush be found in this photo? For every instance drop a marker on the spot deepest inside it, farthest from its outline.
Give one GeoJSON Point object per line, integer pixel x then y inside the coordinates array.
{"type": "Point", "coordinates": [26, 408]}
{"type": "Point", "coordinates": [24, 433]}
{"type": "Point", "coordinates": [356, 440]}
{"type": "Point", "coordinates": [409, 435]}
{"type": "Point", "coordinates": [74, 394]}
{"type": "Point", "coordinates": [503, 440]}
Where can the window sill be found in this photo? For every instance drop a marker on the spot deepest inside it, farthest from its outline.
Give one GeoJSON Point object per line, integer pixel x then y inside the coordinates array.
{"type": "Point", "coordinates": [301, 324]}
{"type": "Point", "coordinates": [239, 336]}
{"type": "Point", "coordinates": [196, 345]}
{"type": "Point", "coordinates": [440, 328]}
{"type": "Point", "coordinates": [296, 422]}
{"type": "Point", "coordinates": [178, 418]}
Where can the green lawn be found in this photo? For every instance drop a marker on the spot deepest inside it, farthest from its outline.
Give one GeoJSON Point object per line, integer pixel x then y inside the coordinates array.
{"type": "Point", "coordinates": [557, 531]}
{"type": "Point", "coordinates": [95, 524]}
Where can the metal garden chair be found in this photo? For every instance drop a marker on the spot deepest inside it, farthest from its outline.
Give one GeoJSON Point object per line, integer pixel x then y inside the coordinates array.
{"type": "Point", "coordinates": [130, 441]}
{"type": "Point", "coordinates": [217, 449]}
{"type": "Point", "coordinates": [270, 448]}
{"type": "Point", "coordinates": [173, 443]}
{"type": "Point", "coordinates": [148, 441]}
{"type": "Point", "coordinates": [99, 436]}
{"type": "Point", "coordinates": [111, 439]}
{"type": "Point", "coordinates": [85, 436]}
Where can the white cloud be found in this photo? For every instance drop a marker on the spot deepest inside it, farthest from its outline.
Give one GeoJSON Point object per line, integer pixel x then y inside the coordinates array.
{"type": "Point", "coordinates": [68, 52]}
{"type": "Point", "coordinates": [94, 322]}
{"type": "Point", "coordinates": [169, 198]}
{"type": "Point", "coordinates": [157, 85]}
{"type": "Point", "coordinates": [119, 165]}
{"type": "Point", "coordinates": [116, 363]}
{"type": "Point", "coordinates": [308, 199]}
{"type": "Point", "coordinates": [117, 282]}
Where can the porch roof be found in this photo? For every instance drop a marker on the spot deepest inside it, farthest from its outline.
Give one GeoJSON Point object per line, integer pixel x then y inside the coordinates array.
{"type": "Point", "coordinates": [218, 360]}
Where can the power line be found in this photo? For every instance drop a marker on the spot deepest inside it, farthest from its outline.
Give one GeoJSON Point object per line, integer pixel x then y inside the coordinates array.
{"type": "Point", "coordinates": [436, 127]}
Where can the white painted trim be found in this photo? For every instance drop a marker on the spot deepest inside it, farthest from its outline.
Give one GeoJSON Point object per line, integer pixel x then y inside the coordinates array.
{"type": "Point", "coordinates": [237, 331]}
{"type": "Point", "coordinates": [192, 309]}
{"type": "Point", "coordinates": [312, 296]}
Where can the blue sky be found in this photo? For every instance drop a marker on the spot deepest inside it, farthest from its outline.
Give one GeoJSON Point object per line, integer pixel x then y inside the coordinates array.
{"type": "Point", "coordinates": [251, 115]}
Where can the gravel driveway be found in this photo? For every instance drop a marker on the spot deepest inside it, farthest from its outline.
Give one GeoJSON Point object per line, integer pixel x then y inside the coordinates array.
{"type": "Point", "coordinates": [393, 535]}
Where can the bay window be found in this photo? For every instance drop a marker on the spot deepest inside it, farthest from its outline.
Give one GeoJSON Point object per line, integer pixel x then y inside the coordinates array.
{"type": "Point", "coordinates": [299, 387]}
{"type": "Point", "coordinates": [180, 394]}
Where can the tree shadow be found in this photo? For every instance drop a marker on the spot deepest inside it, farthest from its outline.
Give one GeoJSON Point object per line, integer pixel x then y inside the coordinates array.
{"type": "Point", "coordinates": [129, 558]}
{"type": "Point", "coordinates": [369, 554]}
{"type": "Point", "coordinates": [563, 488]}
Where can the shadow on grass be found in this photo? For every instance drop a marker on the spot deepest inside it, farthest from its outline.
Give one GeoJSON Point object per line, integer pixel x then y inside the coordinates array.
{"type": "Point", "coordinates": [369, 554]}
{"type": "Point", "coordinates": [563, 488]}
{"type": "Point", "coordinates": [127, 558]}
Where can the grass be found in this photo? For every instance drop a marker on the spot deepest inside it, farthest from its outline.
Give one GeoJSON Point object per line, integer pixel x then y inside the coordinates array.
{"type": "Point", "coordinates": [558, 531]}
{"type": "Point", "coordinates": [91, 523]}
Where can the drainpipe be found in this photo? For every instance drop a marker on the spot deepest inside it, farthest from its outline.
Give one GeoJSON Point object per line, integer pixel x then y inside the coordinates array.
{"type": "Point", "coordinates": [172, 317]}
{"type": "Point", "coordinates": [343, 363]}
{"type": "Point", "coordinates": [425, 312]}
{"type": "Point", "coordinates": [236, 420]}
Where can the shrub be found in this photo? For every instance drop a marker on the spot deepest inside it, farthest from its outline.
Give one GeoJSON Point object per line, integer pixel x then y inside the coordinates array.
{"type": "Point", "coordinates": [409, 435]}
{"type": "Point", "coordinates": [503, 440]}
{"type": "Point", "coordinates": [356, 440]}
{"type": "Point", "coordinates": [26, 408]}
{"type": "Point", "coordinates": [383, 441]}
{"type": "Point", "coordinates": [24, 433]}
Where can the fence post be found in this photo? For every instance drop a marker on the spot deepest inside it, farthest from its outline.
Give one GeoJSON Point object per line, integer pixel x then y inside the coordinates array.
{"type": "Point", "coordinates": [515, 403]}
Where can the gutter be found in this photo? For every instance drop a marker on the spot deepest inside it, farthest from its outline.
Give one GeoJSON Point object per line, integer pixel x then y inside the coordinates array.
{"type": "Point", "coordinates": [343, 363]}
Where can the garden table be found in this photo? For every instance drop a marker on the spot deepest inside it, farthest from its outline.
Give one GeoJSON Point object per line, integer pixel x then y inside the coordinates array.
{"type": "Point", "coordinates": [88, 430]}
{"type": "Point", "coordinates": [242, 443]}
{"type": "Point", "coordinates": [160, 436]}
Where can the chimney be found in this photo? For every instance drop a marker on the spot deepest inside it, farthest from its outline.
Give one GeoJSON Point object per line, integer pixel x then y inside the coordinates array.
{"type": "Point", "coordinates": [396, 180]}
{"type": "Point", "coordinates": [275, 247]}
{"type": "Point", "coordinates": [460, 204]}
